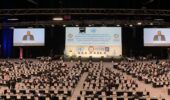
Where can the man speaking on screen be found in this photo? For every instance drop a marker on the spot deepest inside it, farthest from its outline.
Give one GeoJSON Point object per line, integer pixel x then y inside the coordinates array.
{"type": "Point", "coordinates": [28, 36]}
{"type": "Point", "coordinates": [159, 37]}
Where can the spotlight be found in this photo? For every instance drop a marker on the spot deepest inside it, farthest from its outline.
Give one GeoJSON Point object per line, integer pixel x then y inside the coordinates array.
{"type": "Point", "coordinates": [77, 25]}
{"type": "Point", "coordinates": [139, 23]}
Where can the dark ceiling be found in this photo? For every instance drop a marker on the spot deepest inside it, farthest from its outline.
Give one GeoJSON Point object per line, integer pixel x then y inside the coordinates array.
{"type": "Point", "coordinates": [132, 4]}
{"type": "Point", "coordinates": [110, 4]}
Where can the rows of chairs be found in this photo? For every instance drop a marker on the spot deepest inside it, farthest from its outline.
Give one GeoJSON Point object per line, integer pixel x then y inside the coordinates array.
{"type": "Point", "coordinates": [56, 80]}
{"type": "Point", "coordinates": [51, 80]}
{"type": "Point", "coordinates": [104, 83]}
{"type": "Point", "coordinates": [151, 72]}
{"type": "Point", "coordinates": [115, 98]}
{"type": "Point", "coordinates": [33, 97]}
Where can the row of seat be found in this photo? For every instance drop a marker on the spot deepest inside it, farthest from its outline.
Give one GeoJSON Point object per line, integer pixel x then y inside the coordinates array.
{"type": "Point", "coordinates": [48, 79]}
{"type": "Point", "coordinates": [151, 72]}
{"type": "Point", "coordinates": [34, 97]}
{"type": "Point", "coordinates": [115, 98]}
{"type": "Point", "coordinates": [33, 92]}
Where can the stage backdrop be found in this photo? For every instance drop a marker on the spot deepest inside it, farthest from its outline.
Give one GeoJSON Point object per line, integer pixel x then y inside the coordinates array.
{"type": "Point", "coordinates": [156, 36]}
{"type": "Point", "coordinates": [93, 41]}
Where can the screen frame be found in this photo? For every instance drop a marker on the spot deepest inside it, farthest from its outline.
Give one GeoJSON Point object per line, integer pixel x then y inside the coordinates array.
{"type": "Point", "coordinates": [154, 45]}
{"type": "Point", "coordinates": [28, 45]}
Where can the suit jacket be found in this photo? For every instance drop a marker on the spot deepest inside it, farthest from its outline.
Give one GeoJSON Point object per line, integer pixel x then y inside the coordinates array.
{"type": "Point", "coordinates": [156, 38]}
{"type": "Point", "coordinates": [26, 37]}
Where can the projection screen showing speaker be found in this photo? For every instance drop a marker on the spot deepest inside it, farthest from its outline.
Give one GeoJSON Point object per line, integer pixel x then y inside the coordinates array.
{"type": "Point", "coordinates": [156, 36]}
{"type": "Point", "coordinates": [93, 41]}
{"type": "Point", "coordinates": [29, 37]}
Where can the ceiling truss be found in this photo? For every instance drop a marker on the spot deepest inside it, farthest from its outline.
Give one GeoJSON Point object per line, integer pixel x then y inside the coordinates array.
{"type": "Point", "coordinates": [85, 11]}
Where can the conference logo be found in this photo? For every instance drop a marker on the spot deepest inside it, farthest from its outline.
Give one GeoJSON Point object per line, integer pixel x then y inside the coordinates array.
{"type": "Point", "coordinates": [107, 49]}
{"type": "Point", "coordinates": [70, 35]}
{"type": "Point", "coordinates": [116, 36]}
{"type": "Point", "coordinates": [80, 49]}
{"type": "Point", "coordinates": [91, 48]}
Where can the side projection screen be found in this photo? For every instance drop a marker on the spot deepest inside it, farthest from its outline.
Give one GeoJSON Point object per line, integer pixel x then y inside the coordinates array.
{"type": "Point", "coordinates": [29, 37]}
{"type": "Point", "coordinates": [156, 36]}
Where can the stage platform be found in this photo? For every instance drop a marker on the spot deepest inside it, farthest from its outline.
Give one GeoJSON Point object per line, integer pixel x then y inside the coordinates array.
{"type": "Point", "coordinates": [93, 59]}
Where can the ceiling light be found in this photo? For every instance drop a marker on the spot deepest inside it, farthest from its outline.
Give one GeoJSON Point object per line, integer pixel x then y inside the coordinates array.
{"type": "Point", "coordinates": [52, 25]}
{"type": "Point", "coordinates": [139, 23]}
{"type": "Point", "coordinates": [151, 23]}
{"type": "Point", "coordinates": [12, 27]}
{"type": "Point", "coordinates": [159, 19]}
{"type": "Point", "coordinates": [117, 25]}
{"type": "Point", "coordinates": [13, 19]}
{"type": "Point", "coordinates": [58, 18]}
{"type": "Point", "coordinates": [64, 25]}
{"type": "Point", "coordinates": [30, 27]}
{"type": "Point", "coordinates": [131, 25]}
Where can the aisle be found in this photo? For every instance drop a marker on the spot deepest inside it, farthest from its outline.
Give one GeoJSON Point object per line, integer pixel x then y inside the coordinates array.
{"type": "Point", "coordinates": [79, 87]}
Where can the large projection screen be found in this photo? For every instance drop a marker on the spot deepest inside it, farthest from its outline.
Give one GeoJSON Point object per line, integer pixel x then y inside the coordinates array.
{"type": "Point", "coordinates": [29, 37]}
{"type": "Point", "coordinates": [156, 36]}
{"type": "Point", "coordinates": [93, 41]}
